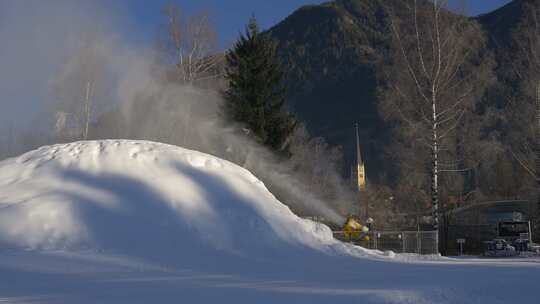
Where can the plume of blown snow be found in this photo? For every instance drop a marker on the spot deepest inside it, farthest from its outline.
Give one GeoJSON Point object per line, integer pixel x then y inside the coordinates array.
{"type": "Point", "coordinates": [130, 96]}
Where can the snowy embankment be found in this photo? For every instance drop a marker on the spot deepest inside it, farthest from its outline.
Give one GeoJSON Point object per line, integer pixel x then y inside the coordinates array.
{"type": "Point", "coordinates": [140, 222]}
{"type": "Point", "coordinates": [145, 198]}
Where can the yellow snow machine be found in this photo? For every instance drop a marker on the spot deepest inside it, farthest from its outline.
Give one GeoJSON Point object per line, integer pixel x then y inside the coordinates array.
{"type": "Point", "coordinates": [354, 231]}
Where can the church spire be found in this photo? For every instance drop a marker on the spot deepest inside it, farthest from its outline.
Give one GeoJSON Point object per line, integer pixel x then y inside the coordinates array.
{"type": "Point", "coordinates": [360, 168]}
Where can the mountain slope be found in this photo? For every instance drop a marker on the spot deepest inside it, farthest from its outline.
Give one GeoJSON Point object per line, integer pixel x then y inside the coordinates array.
{"type": "Point", "coordinates": [334, 52]}
{"type": "Point", "coordinates": [500, 23]}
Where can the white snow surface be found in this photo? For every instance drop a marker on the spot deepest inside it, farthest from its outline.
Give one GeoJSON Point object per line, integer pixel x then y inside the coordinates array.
{"type": "Point", "coordinates": [146, 198]}
{"type": "Point", "coordinates": [122, 221]}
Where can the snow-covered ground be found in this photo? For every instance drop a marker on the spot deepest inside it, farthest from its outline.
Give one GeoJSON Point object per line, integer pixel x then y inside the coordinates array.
{"type": "Point", "coordinates": [141, 222]}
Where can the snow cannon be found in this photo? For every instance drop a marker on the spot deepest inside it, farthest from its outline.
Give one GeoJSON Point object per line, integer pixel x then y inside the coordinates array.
{"type": "Point", "coordinates": [353, 230]}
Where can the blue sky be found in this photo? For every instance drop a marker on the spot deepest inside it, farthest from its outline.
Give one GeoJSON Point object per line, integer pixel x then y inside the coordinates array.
{"type": "Point", "coordinates": [229, 16]}
{"type": "Point", "coordinates": [476, 7]}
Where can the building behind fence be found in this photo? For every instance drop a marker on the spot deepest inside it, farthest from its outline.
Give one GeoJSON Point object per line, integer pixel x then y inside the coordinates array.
{"type": "Point", "coordinates": [477, 223]}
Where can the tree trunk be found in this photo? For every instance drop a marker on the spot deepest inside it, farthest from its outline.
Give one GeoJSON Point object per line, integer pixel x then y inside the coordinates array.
{"type": "Point", "coordinates": [87, 111]}
{"type": "Point", "coordinates": [435, 170]}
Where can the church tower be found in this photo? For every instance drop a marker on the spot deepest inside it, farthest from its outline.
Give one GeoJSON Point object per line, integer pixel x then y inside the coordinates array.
{"type": "Point", "coordinates": [360, 166]}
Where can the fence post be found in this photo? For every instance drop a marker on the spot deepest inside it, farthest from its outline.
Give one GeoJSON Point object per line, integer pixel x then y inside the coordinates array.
{"type": "Point", "coordinates": [419, 236]}
{"type": "Point", "coordinates": [436, 242]}
{"type": "Point", "coordinates": [403, 242]}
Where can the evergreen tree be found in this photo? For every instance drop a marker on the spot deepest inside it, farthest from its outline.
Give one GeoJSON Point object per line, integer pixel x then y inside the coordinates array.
{"type": "Point", "coordinates": [256, 93]}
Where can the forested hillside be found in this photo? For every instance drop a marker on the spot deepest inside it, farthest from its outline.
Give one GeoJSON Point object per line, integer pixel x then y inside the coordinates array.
{"type": "Point", "coordinates": [336, 53]}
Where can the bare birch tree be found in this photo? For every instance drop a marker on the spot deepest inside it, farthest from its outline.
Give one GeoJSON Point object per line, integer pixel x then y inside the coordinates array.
{"type": "Point", "coordinates": [432, 84]}
{"type": "Point", "coordinates": [188, 49]}
{"type": "Point", "coordinates": [87, 111]}
{"type": "Point", "coordinates": [190, 44]}
{"type": "Point", "coordinates": [80, 79]}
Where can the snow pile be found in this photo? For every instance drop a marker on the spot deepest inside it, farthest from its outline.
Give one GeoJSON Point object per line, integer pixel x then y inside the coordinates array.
{"type": "Point", "coordinates": [146, 198]}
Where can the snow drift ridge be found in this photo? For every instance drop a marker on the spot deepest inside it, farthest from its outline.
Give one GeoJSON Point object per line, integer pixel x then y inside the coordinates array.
{"type": "Point", "coordinates": [145, 198]}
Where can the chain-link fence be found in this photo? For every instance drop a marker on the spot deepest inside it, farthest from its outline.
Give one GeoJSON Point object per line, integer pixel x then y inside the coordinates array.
{"type": "Point", "coordinates": [420, 242]}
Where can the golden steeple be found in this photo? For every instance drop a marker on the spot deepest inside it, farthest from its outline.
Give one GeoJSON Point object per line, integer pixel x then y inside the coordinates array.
{"type": "Point", "coordinates": [360, 167]}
